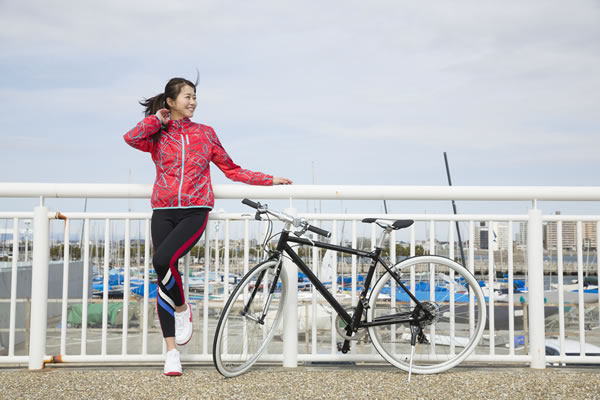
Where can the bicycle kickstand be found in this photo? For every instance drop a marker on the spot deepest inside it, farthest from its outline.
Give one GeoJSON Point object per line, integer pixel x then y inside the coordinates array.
{"type": "Point", "coordinates": [415, 330]}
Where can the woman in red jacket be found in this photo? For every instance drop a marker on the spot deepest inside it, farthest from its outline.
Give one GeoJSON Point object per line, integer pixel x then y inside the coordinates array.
{"type": "Point", "coordinates": [181, 198]}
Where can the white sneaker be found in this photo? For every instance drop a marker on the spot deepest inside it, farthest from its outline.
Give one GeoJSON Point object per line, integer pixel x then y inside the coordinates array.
{"type": "Point", "coordinates": [172, 363]}
{"type": "Point", "coordinates": [183, 326]}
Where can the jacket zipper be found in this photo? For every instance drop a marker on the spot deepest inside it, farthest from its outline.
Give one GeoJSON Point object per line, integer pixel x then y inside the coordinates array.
{"type": "Point", "coordinates": [182, 168]}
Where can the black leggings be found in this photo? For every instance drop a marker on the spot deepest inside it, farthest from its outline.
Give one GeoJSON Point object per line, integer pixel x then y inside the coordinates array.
{"type": "Point", "coordinates": [174, 232]}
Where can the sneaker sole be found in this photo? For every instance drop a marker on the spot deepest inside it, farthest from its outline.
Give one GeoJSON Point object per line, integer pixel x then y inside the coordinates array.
{"type": "Point", "coordinates": [172, 374]}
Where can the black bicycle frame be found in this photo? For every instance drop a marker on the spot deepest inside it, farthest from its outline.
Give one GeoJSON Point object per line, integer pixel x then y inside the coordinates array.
{"type": "Point", "coordinates": [375, 256]}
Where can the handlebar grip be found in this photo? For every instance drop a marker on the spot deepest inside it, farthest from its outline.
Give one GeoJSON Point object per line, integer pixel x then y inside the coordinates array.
{"type": "Point", "coordinates": [319, 231]}
{"type": "Point", "coordinates": [251, 203]}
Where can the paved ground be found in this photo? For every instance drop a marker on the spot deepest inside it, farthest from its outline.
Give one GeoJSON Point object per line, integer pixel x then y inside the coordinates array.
{"type": "Point", "coordinates": [306, 382]}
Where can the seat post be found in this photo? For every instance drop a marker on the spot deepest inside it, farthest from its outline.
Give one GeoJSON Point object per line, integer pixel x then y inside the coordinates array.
{"type": "Point", "coordinates": [385, 232]}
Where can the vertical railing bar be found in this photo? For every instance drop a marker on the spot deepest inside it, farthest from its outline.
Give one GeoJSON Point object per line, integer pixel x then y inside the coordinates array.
{"type": "Point", "coordinates": [452, 289]}
{"type": "Point", "coordinates": [315, 294]}
{"type": "Point", "coordinates": [84, 296]}
{"type": "Point", "coordinates": [65, 292]}
{"type": "Point", "coordinates": [511, 302]}
{"type": "Point", "coordinates": [412, 254]}
{"type": "Point", "coordinates": [471, 270]}
{"type": "Point", "coordinates": [227, 261]}
{"type": "Point", "coordinates": [105, 284]}
{"type": "Point", "coordinates": [13, 289]}
{"type": "Point", "coordinates": [561, 295]}
{"type": "Point", "coordinates": [354, 274]}
{"type": "Point", "coordinates": [246, 266]}
{"type": "Point", "coordinates": [393, 287]}
{"type": "Point", "coordinates": [432, 276]}
{"type": "Point", "coordinates": [354, 267]}
{"type": "Point", "coordinates": [226, 250]}
{"type": "Point", "coordinates": [373, 244]}
{"type": "Point", "coordinates": [145, 306]}
{"type": "Point", "coordinates": [207, 235]}
{"type": "Point", "coordinates": [333, 286]}
{"type": "Point", "coordinates": [598, 263]}
{"type": "Point", "coordinates": [580, 280]}
{"type": "Point", "coordinates": [126, 284]}
{"type": "Point", "coordinates": [491, 287]}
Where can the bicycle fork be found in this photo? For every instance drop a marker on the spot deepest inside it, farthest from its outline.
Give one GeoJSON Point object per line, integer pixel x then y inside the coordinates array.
{"type": "Point", "coordinates": [261, 318]}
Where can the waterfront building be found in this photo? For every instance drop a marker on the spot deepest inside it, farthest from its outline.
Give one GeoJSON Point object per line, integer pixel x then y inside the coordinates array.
{"type": "Point", "coordinates": [590, 238]}
{"type": "Point", "coordinates": [569, 235]}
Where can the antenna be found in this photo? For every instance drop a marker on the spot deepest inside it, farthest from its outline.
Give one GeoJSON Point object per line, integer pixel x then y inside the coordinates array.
{"type": "Point", "coordinates": [462, 253]}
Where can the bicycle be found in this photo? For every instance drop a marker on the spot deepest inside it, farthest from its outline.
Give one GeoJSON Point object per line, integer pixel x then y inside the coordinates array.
{"type": "Point", "coordinates": [425, 314]}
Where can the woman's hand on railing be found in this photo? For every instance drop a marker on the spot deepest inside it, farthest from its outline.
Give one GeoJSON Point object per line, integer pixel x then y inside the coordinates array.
{"type": "Point", "coordinates": [281, 181]}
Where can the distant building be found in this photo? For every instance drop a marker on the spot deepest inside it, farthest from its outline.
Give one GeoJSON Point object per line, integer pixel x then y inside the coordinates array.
{"type": "Point", "coordinates": [569, 235]}
{"type": "Point", "coordinates": [590, 237]}
{"type": "Point", "coordinates": [499, 236]}
{"type": "Point", "coordinates": [522, 235]}
{"type": "Point", "coordinates": [481, 236]}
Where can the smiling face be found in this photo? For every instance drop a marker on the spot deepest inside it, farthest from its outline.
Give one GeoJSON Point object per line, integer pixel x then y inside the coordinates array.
{"type": "Point", "coordinates": [184, 104]}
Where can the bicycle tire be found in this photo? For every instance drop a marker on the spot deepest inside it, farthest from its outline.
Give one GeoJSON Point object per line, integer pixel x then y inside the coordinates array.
{"type": "Point", "coordinates": [460, 323]}
{"type": "Point", "coordinates": [239, 340]}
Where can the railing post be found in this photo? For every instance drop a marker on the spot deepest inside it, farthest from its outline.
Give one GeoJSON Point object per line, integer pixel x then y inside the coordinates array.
{"type": "Point", "coordinates": [535, 268]}
{"type": "Point", "coordinates": [39, 288]}
{"type": "Point", "coordinates": [290, 314]}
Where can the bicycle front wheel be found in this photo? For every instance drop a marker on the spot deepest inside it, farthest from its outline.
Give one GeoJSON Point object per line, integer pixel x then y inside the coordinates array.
{"type": "Point", "coordinates": [249, 319]}
{"type": "Point", "coordinates": [455, 319]}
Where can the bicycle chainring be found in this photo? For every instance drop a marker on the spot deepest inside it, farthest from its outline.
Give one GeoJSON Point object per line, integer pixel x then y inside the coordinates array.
{"type": "Point", "coordinates": [340, 326]}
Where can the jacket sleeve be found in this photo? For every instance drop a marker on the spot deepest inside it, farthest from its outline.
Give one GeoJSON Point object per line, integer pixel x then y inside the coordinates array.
{"type": "Point", "coordinates": [140, 137]}
{"type": "Point", "coordinates": [234, 171]}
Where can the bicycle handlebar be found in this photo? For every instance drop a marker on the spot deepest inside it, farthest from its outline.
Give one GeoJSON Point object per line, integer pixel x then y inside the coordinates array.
{"type": "Point", "coordinates": [250, 203]}
{"type": "Point", "coordinates": [287, 218]}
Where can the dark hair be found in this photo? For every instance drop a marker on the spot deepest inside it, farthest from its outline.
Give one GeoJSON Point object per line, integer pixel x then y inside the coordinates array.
{"type": "Point", "coordinates": [172, 90]}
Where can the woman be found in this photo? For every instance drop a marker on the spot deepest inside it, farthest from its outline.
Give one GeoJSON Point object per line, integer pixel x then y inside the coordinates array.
{"type": "Point", "coordinates": [181, 198]}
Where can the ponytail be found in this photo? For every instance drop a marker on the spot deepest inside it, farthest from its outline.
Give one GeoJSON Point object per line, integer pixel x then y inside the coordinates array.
{"type": "Point", "coordinates": [153, 104]}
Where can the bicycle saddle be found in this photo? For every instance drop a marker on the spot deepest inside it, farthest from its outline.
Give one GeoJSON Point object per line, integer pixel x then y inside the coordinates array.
{"type": "Point", "coordinates": [397, 224]}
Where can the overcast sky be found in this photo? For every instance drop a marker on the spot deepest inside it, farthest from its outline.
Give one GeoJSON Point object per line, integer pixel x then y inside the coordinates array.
{"type": "Point", "coordinates": [369, 92]}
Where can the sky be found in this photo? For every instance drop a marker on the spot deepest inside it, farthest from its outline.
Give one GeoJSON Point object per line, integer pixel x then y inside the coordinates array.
{"type": "Point", "coordinates": [337, 92]}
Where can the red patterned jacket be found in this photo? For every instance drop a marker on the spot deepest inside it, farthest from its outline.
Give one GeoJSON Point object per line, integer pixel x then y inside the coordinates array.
{"type": "Point", "coordinates": [182, 154]}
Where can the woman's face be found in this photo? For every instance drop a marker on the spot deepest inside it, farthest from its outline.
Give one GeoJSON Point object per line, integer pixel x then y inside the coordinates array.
{"type": "Point", "coordinates": [184, 105]}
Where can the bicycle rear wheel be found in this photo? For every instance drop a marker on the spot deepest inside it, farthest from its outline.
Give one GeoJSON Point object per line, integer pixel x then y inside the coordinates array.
{"type": "Point", "coordinates": [249, 320]}
{"type": "Point", "coordinates": [457, 306]}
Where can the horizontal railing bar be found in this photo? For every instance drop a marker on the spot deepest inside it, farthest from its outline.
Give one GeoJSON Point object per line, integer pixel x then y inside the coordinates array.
{"type": "Point", "coordinates": [16, 214]}
{"type": "Point", "coordinates": [417, 217]}
{"type": "Point", "coordinates": [321, 217]}
{"type": "Point", "coordinates": [324, 192]}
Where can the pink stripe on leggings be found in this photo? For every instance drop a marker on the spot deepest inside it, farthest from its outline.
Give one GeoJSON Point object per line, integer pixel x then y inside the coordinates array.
{"type": "Point", "coordinates": [178, 254]}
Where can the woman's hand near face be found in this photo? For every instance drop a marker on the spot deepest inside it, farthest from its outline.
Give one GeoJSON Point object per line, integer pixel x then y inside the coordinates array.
{"type": "Point", "coordinates": [164, 115]}
{"type": "Point", "coordinates": [281, 181]}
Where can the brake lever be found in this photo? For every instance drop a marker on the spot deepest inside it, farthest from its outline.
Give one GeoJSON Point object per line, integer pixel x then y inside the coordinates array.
{"type": "Point", "coordinates": [301, 231]}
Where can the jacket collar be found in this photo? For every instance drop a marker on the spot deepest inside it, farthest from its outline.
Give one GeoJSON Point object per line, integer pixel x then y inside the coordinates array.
{"type": "Point", "coordinates": [179, 124]}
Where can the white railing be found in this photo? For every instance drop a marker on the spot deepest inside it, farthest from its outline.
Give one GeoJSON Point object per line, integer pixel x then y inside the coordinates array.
{"type": "Point", "coordinates": [142, 341]}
